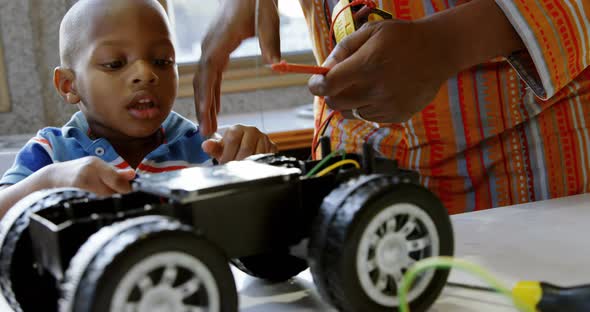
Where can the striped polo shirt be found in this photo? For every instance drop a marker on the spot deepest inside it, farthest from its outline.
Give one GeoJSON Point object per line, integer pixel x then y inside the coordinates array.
{"type": "Point", "coordinates": [181, 149]}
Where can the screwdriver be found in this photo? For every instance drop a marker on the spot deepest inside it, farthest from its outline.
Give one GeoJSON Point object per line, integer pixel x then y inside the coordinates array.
{"type": "Point", "coordinates": [284, 67]}
{"type": "Point", "coordinates": [545, 297]}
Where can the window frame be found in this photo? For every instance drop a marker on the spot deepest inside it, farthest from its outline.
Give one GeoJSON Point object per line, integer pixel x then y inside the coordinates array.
{"type": "Point", "coordinates": [5, 106]}
{"type": "Point", "coordinates": [245, 74]}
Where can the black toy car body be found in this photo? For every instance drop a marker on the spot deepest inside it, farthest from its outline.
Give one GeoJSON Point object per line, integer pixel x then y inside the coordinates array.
{"type": "Point", "coordinates": [166, 246]}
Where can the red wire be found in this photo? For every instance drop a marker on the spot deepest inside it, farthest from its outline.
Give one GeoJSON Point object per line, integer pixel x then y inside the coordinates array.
{"type": "Point", "coordinates": [286, 67]}
{"type": "Point", "coordinates": [316, 136]}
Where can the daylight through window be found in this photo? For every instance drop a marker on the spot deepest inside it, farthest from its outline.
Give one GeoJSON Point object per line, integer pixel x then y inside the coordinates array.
{"type": "Point", "coordinates": [192, 17]}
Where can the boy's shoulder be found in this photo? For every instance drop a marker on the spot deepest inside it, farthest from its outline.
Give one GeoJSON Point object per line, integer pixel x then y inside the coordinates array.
{"type": "Point", "coordinates": [74, 128]}
{"type": "Point", "coordinates": [176, 127]}
{"type": "Point", "coordinates": [71, 141]}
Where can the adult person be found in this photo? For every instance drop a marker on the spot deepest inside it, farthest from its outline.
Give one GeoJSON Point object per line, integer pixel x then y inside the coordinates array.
{"type": "Point", "coordinates": [487, 100]}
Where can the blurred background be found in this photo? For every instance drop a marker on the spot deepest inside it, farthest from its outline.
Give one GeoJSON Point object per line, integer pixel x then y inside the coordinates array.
{"type": "Point", "coordinates": [251, 93]}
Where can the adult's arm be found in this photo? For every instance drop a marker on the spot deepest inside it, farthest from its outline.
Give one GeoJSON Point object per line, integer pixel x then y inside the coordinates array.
{"type": "Point", "coordinates": [236, 21]}
{"type": "Point", "coordinates": [391, 70]}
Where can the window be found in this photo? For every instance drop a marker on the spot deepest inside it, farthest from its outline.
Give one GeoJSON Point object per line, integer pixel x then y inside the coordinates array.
{"type": "Point", "coordinates": [4, 98]}
{"type": "Point", "coordinates": [191, 19]}
{"type": "Point", "coordinates": [191, 22]}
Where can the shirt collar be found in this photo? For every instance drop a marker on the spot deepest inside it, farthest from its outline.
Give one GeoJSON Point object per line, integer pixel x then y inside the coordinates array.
{"type": "Point", "coordinates": [175, 127]}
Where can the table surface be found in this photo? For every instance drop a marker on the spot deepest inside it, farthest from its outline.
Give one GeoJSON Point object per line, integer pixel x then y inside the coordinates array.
{"type": "Point", "coordinates": [536, 241]}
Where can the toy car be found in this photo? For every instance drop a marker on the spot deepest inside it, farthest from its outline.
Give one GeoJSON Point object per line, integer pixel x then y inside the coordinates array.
{"type": "Point", "coordinates": [167, 245]}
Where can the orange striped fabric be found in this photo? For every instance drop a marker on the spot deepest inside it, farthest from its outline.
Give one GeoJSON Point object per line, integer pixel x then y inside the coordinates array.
{"type": "Point", "coordinates": [501, 133]}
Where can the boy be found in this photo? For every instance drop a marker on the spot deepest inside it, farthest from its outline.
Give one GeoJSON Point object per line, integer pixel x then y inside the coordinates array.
{"type": "Point", "coordinates": [117, 66]}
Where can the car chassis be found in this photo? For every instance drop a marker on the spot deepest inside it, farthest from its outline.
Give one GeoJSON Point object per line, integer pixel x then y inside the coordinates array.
{"type": "Point", "coordinates": [167, 245]}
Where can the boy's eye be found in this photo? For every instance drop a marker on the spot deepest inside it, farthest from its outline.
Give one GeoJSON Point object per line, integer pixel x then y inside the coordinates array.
{"type": "Point", "coordinates": [163, 62]}
{"type": "Point", "coordinates": [114, 65]}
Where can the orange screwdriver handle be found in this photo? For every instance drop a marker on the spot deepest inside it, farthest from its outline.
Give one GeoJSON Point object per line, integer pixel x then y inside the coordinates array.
{"type": "Point", "coordinates": [284, 67]}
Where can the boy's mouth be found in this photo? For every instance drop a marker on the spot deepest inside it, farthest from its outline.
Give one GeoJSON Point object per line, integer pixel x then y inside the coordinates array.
{"type": "Point", "coordinates": [143, 106]}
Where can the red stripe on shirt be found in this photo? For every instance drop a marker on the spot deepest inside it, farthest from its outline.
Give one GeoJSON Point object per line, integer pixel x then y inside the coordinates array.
{"type": "Point", "coordinates": [151, 169]}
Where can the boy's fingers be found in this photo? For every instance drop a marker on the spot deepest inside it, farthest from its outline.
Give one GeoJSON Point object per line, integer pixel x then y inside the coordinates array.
{"type": "Point", "coordinates": [218, 98]}
{"type": "Point", "coordinates": [117, 181]}
{"type": "Point", "coordinates": [265, 145]}
{"type": "Point", "coordinates": [273, 146]}
{"type": "Point", "coordinates": [248, 144]}
{"type": "Point", "coordinates": [232, 141]}
{"type": "Point", "coordinates": [261, 146]}
{"type": "Point", "coordinates": [213, 148]}
{"type": "Point", "coordinates": [128, 174]}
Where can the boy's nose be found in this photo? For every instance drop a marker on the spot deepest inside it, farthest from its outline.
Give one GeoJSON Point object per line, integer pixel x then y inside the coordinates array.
{"type": "Point", "coordinates": [144, 74]}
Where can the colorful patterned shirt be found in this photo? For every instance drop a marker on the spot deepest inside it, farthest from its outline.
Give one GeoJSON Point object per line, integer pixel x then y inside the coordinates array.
{"type": "Point", "coordinates": [181, 149]}
{"type": "Point", "coordinates": [501, 133]}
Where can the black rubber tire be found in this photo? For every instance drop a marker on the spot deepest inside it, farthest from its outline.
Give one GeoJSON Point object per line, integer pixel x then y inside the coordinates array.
{"type": "Point", "coordinates": [273, 267]}
{"type": "Point", "coordinates": [102, 262]}
{"type": "Point", "coordinates": [21, 285]}
{"type": "Point", "coordinates": [338, 228]}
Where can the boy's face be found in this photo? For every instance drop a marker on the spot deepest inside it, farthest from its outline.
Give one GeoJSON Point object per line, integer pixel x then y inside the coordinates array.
{"type": "Point", "coordinates": [126, 74]}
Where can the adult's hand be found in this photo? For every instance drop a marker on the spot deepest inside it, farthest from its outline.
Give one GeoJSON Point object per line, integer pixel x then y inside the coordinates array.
{"type": "Point", "coordinates": [386, 70]}
{"type": "Point", "coordinates": [235, 22]}
{"type": "Point", "coordinates": [392, 69]}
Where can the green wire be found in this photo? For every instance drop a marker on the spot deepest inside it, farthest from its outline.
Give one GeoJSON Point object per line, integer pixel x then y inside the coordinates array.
{"type": "Point", "coordinates": [324, 161]}
{"type": "Point", "coordinates": [447, 263]}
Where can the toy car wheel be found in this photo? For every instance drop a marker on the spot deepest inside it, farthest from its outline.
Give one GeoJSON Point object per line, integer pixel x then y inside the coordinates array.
{"type": "Point", "coordinates": [366, 237]}
{"type": "Point", "coordinates": [21, 284]}
{"type": "Point", "coordinates": [148, 264]}
{"type": "Point", "coordinates": [273, 267]}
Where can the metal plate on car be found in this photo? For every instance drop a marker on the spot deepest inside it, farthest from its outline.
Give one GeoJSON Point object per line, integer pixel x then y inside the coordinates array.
{"type": "Point", "coordinates": [189, 184]}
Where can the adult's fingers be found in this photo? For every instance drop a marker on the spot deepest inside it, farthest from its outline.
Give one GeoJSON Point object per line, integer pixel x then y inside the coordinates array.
{"type": "Point", "coordinates": [345, 63]}
{"type": "Point", "coordinates": [366, 112]}
{"type": "Point", "coordinates": [219, 42]}
{"type": "Point", "coordinates": [355, 96]}
{"type": "Point", "coordinates": [268, 30]}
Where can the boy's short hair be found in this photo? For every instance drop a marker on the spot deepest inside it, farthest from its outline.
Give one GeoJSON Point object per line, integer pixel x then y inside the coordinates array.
{"type": "Point", "coordinates": [77, 23]}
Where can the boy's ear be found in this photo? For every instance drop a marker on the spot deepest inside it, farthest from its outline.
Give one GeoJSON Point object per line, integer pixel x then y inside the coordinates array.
{"type": "Point", "coordinates": [63, 81]}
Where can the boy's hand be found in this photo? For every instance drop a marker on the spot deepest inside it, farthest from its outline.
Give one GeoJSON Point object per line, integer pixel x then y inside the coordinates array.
{"type": "Point", "coordinates": [238, 142]}
{"type": "Point", "coordinates": [91, 174]}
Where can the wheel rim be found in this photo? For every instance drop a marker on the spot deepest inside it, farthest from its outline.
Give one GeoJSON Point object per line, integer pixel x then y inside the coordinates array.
{"type": "Point", "coordinates": [171, 282]}
{"type": "Point", "coordinates": [397, 237]}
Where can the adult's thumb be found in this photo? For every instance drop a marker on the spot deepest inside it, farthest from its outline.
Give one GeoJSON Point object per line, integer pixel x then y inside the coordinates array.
{"type": "Point", "coordinates": [345, 65]}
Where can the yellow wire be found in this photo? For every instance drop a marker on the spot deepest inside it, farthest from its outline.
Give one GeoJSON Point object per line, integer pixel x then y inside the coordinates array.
{"type": "Point", "coordinates": [450, 262]}
{"type": "Point", "coordinates": [338, 164]}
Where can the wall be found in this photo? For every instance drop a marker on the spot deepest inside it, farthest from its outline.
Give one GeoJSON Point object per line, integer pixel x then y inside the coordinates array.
{"type": "Point", "coordinates": [29, 32]}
